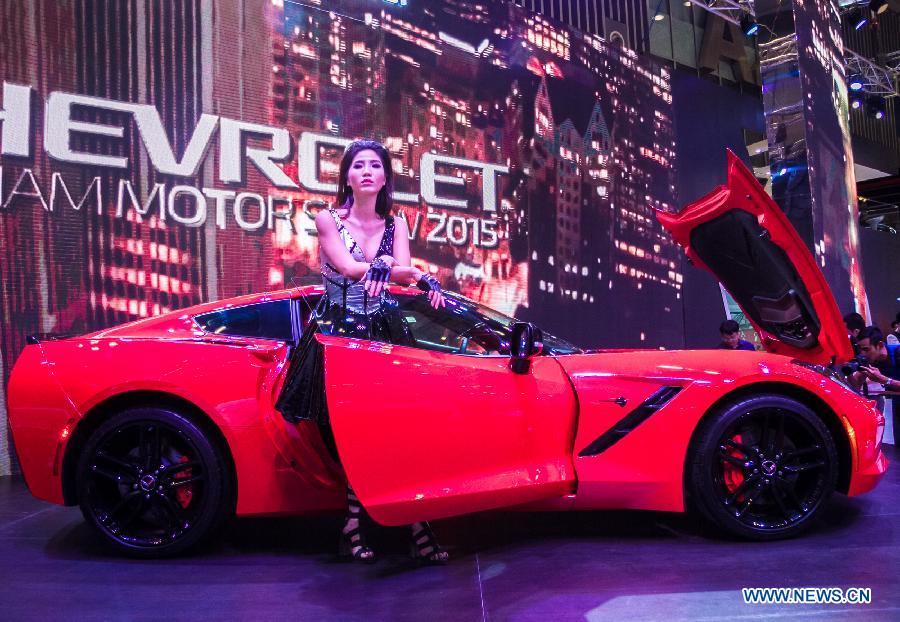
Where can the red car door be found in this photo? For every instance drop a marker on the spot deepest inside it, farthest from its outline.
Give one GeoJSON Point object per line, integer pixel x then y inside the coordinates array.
{"type": "Point", "coordinates": [740, 235]}
{"type": "Point", "coordinates": [424, 434]}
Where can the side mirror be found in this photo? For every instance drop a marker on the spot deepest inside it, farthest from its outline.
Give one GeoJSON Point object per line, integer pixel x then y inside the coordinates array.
{"type": "Point", "coordinates": [526, 343]}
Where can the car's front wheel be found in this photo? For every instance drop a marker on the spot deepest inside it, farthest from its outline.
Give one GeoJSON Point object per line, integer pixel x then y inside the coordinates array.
{"type": "Point", "coordinates": [762, 468]}
{"type": "Point", "coordinates": [152, 482]}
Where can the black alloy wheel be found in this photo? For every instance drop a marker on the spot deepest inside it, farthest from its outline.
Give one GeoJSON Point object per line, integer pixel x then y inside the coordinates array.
{"type": "Point", "coordinates": [762, 468]}
{"type": "Point", "coordinates": [153, 483]}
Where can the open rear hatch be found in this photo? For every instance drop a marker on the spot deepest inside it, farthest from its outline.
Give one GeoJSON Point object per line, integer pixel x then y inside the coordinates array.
{"type": "Point", "coordinates": [740, 235]}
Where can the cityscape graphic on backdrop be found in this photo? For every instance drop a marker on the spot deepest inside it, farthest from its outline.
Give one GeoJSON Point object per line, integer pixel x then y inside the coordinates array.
{"type": "Point", "coordinates": [154, 155]}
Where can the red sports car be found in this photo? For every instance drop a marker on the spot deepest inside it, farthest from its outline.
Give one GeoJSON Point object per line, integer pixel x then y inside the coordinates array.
{"type": "Point", "coordinates": [162, 428]}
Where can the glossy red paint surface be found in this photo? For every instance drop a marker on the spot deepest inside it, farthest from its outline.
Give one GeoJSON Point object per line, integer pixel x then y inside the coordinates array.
{"type": "Point", "coordinates": [645, 469]}
{"type": "Point", "coordinates": [280, 468]}
{"type": "Point", "coordinates": [421, 434]}
{"type": "Point", "coordinates": [743, 192]}
{"type": "Point", "coordinates": [425, 434]}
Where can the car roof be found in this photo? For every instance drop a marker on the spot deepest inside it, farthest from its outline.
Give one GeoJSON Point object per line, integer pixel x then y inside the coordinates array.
{"type": "Point", "coordinates": [179, 324]}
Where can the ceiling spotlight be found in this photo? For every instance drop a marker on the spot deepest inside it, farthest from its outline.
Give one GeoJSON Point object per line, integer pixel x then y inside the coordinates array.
{"type": "Point", "coordinates": [875, 107]}
{"type": "Point", "coordinates": [857, 18]}
{"type": "Point", "coordinates": [659, 17]}
{"type": "Point", "coordinates": [855, 82]}
{"type": "Point", "coordinates": [856, 101]}
{"type": "Point", "coordinates": [878, 6]}
{"type": "Point", "coordinates": [749, 25]}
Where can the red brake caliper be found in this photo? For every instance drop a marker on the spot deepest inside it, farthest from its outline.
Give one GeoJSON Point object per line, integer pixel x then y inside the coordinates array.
{"type": "Point", "coordinates": [184, 493]}
{"type": "Point", "coordinates": [733, 475]}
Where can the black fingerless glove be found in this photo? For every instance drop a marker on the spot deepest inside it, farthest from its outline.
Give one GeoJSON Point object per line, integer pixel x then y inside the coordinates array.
{"type": "Point", "coordinates": [379, 271]}
{"type": "Point", "coordinates": [428, 283]}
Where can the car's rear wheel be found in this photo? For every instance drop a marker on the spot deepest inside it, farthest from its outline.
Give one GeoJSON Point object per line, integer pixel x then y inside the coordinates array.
{"type": "Point", "coordinates": [153, 483]}
{"type": "Point", "coordinates": [762, 468]}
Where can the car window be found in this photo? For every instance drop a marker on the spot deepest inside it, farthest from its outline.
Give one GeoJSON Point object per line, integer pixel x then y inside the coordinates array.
{"type": "Point", "coordinates": [306, 306]}
{"type": "Point", "coordinates": [266, 320]}
{"type": "Point", "coordinates": [461, 326]}
{"type": "Point", "coordinates": [464, 326]}
{"type": "Point", "coordinates": [455, 328]}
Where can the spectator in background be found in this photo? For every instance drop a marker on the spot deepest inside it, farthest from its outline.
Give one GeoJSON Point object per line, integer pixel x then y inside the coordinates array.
{"type": "Point", "coordinates": [731, 337]}
{"type": "Point", "coordinates": [893, 337]}
{"type": "Point", "coordinates": [884, 360]}
{"type": "Point", "coordinates": [854, 323]}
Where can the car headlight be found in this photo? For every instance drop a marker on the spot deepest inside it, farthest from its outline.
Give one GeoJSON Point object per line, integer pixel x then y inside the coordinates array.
{"type": "Point", "coordinates": [827, 372]}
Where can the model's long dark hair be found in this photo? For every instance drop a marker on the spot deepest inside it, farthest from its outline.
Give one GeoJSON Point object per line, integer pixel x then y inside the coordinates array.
{"type": "Point", "coordinates": [384, 202]}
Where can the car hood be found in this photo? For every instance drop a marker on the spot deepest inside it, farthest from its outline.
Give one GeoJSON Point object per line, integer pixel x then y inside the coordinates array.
{"type": "Point", "coordinates": [740, 235]}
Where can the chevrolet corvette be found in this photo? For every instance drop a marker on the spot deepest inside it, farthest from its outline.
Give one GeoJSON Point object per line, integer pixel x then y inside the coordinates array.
{"type": "Point", "coordinates": [162, 428]}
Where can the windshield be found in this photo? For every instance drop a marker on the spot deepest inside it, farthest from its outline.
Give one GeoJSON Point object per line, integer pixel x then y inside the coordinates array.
{"type": "Point", "coordinates": [461, 326]}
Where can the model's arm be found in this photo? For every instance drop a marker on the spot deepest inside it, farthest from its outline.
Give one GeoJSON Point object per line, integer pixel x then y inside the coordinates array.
{"type": "Point", "coordinates": [404, 273]}
{"type": "Point", "coordinates": [335, 251]}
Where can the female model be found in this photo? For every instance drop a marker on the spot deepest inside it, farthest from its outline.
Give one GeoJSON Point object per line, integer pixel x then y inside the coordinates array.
{"type": "Point", "coordinates": [361, 247]}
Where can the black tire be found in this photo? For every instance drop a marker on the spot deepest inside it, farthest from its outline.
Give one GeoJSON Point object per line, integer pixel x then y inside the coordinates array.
{"type": "Point", "coordinates": [152, 483]}
{"type": "Point", "coordinates": [762, 468]}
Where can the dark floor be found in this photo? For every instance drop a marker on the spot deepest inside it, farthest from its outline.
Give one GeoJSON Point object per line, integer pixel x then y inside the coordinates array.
{"type": "Point", "coordinates": [510, 566]}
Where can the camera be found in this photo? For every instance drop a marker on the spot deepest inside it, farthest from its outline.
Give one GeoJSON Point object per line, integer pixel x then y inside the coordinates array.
{"type": "Point", "coordinates": [852, 366]}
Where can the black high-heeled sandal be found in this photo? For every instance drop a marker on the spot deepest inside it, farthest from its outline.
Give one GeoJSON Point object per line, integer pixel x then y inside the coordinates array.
{"type": "Point", "coordinates": [424, 547]}
{"type": "Point", "coordinates": [352, 544]}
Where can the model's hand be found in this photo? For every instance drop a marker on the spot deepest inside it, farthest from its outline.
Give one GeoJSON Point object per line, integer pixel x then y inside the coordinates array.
{"type": "Point", "coordinates": [429, 284]}
{"type": "Point", "coordinates": [405, 275]}
{"type": "Point", "coordinates": [436, 299]}
{"type": "Point", "coordinates": [873, 373]}
{"type": "Point", "coordinates": [390, 261]}
{"type": "Point", "coordinates": [377, 277]}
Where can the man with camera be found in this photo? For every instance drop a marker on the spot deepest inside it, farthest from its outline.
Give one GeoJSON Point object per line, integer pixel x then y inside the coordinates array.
{"type": "Point", "coordinates": [854, 323]}
{"type": "Point", "coordinates": [883, 359]}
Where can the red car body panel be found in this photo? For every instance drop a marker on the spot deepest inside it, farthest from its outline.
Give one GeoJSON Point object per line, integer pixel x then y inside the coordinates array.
{"type": "Point", "coordinates": [743, 192]}
{"type": "Point", "coordinates": [41, 421]}
{"type": "Point", "coordinates": [424, 434]}
{"type": "Point", "coordinates": [231, 380]}
{"type": "Point", "coordinates": [453, 435]}
{"type": "Point", "coordinates": [645, 470]}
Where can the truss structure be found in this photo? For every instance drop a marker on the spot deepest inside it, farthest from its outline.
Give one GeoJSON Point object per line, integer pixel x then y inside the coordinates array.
{"type": "Point", "coordinates": [892, 63]}
{"type": "Point", "coordinates": [877, 79]}
{"type": "Point", "coordinates": [729, 10]}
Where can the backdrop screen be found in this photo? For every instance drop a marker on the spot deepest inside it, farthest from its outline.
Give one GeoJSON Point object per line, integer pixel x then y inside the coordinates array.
{"type": "Point", "coordinates": [156, 155]}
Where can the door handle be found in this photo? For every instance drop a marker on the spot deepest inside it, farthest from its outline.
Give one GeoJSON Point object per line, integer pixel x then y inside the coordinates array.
{"type": "Point", "coordinates": [263, 354]}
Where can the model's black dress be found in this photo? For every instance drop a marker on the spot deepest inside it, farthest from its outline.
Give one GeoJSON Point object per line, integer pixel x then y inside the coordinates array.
{"type": "Point", "coordinates": [345, 310]}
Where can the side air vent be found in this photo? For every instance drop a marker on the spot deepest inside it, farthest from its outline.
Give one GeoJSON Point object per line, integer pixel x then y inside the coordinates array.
{"type": "Point", "coordinates": [629, 422]}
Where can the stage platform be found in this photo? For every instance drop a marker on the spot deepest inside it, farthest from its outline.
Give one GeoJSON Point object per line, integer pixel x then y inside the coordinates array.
{"type": "Point", "coordinates": [505, 566]}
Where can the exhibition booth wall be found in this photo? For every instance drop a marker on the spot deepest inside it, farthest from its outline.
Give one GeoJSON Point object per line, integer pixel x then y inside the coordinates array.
{"type": "Point", "coordinates": [158, 155]}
